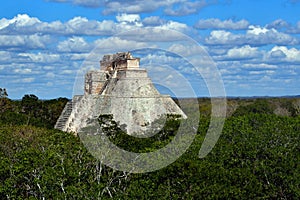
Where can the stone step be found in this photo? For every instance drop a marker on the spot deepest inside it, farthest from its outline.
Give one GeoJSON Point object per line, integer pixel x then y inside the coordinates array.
{"type": "Point", "coordinates": [63, 118]}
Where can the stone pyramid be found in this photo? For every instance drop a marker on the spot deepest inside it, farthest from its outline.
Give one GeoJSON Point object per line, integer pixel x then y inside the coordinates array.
{"type": "Point", "coordinates": [121, 89]}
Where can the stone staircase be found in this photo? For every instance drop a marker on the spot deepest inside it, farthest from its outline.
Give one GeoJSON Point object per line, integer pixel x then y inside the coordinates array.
{"type": "Point", "coordinates": [61, 123]}
{"type": "Point", "coordinates": [63, 118]}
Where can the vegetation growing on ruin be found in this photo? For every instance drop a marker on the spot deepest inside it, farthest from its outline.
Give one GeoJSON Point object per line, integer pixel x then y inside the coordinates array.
{"type": "Point", "coordinates": [140, 145]}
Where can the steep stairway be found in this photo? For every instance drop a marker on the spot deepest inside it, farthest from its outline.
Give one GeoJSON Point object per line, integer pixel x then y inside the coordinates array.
{"type": "Point", "coordinates": [63, 118]}
{"type": "Point", "coordinates": [62, 121]}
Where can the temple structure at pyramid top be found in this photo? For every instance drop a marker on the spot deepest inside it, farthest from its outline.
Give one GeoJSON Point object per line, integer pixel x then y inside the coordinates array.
{"type": "Point", "coordinates": [121, 89]}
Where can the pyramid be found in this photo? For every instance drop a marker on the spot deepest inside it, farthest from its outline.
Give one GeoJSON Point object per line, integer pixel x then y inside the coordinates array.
{"type": "Point", "coordinates": [123, 90]}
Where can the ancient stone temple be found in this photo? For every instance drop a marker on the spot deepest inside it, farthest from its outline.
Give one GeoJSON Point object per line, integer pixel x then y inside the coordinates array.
{"type": "Point", "coordinates": [120, 89]}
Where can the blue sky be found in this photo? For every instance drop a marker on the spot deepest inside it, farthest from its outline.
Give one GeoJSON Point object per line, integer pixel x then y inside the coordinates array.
{"type": "Point", "coordinates": [254, 44]}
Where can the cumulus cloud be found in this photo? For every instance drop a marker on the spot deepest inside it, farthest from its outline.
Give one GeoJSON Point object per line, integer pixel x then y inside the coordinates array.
{"type": "Point", "coordinates": [245, 52]}
{"type": "Point", "coordinates": [153, 21]}
{"type": "Point", "coordinates": [218, 24]}
{"type": "Point", "coordinates": [39, 57]}
{"type": "Point", "coordinates": [174, 26]}
{"type": "Point", "coordinates": [278, 24]}
{"type": "Point", "coordinates": [83, 26]}
{"type": "Point", "coordinates": [80, 26]}
{"type": "Point", "coordinates": [190, 50]}
{"type": "Point", "coordinates": [74, 45]}
{"type": "Point", "coordinates": [165, 33]}
{"type": "Point", "coordinates": [19, 22]}
{"type": "Point", "coordinates": [116, 44]}
{"type": "Point", "coordinates": [284, 54]}
{"type": "Point", "coordinates": [254, 36]}
{"type": "Point", "coordinates": [21, 42]}
{"type": "Point", "coordinates": [128, 18]}
{"type": "Point", "coordinates": [23, 24]}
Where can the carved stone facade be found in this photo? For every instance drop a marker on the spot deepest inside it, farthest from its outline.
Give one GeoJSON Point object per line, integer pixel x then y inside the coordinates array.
{"type": "Point", "coordinates": [121, 89]}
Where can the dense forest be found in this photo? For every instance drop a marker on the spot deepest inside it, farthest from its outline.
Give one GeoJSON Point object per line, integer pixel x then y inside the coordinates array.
{"type": "Point", "coordinates": [256, 157]}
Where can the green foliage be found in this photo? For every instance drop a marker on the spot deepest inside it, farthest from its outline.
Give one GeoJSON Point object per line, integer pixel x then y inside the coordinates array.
{"type": "Point", "coordinates": [289, 106]}
{"type": "Point", "coordinates": [140, 145]}
{"type": "Point", "coordinates": [258, 106]}
{"type": "Point", "coordinates": [256, 157]}
{"type": "Point", "coordinates": [38, 163]}
{"type": "Point", "coordinates": [31, 111]}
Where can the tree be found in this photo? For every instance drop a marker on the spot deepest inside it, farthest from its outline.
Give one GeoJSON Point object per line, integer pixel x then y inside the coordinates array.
{"type": "Point", "coordinates": [29, 103]}
{"type": "Point", "coordinates": [30, 106]}
{"type": "Point", "coordinates": [5, 103]}
{"type": "Point", "coordinates": [261, 106]}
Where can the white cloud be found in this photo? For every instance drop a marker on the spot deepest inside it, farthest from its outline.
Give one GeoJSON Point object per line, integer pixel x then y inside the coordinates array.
{"type": "Point", "coordinates": [153, 21]}
{"type": "Point", "coordinates": [40, 57]}
{"type": "Point", "coordinates": [254, 36]}
{"type": "Point", "coordinates": [22, 24]}
{"type": "Point", "coordinates": [245, 52]}
{"type": "Point", "coordinates": [83, 26]}
{"type": "Point", "coordinates": [78, 56]}
{"type": "Point", "coordinates": [129, 19]}
{"type": "Point", "coordinates": [268, 72]}
{"type": "Point", "coordinates": [24, 80]}
{"type": "Point", "coordinates": [19, 22]}
{"type": "Point", "coordinates": [161, 58]}
{"type": "Point", "coordinates": [257, 30]}
{"type": "Point", "coordinates": [222, 37]}
{"type": "Point", "coordinates": [283, 54]}
{"type": "Point", "coordinates": [116, 44]}
{"type": "Point", "coordinates": [67, 72]}
{"type": "Point", "coordinates": [278, 24]}
{"type": "Point", "coordinates": [74, 45]}
{"type": "Point", "coordinates": [23, 71]}
{"type": "Point", "coordinates": [26, 25]}
{"type": "Point", "coordinates": [24, 30]}
{"type": "Point", "coordinates": [151, 35]}
{"type": "Point", "coordinates": [5, 56]}
{"type": "Point", "coordinates": [35, 41]}
{"type": "Point", "coordinates": [218, 24]}
{"type": "Point", "coordinates": [175, 26]}
{"type": "Point", "coordinates": [259, 66]}
{"type": "Point", "coordinates": [187, 51]}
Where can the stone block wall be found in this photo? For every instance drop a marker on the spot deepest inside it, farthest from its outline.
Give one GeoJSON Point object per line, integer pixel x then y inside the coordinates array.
{"type": "Point", "coordinates": [94, 81]}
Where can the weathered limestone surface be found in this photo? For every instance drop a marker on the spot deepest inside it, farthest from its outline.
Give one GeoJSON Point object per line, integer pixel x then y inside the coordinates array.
{"type": "Point", "coordinates": [120, 89]}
